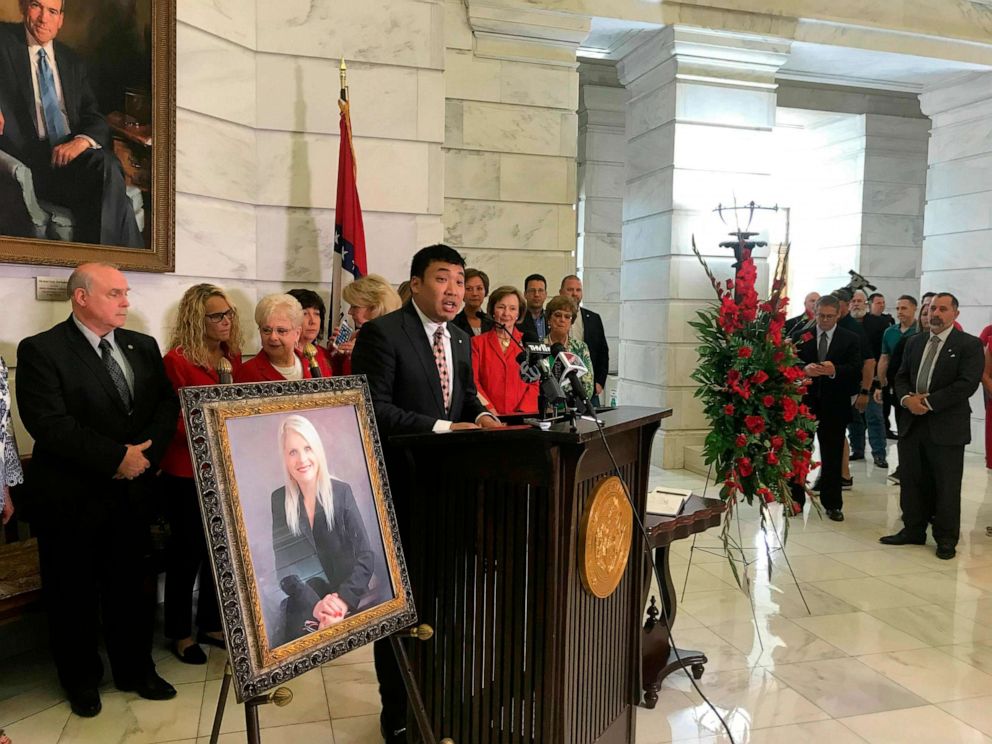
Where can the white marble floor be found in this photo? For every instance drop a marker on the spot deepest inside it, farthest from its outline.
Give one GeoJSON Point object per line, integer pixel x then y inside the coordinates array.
{"type": "Point", "coordinates": [896, 648]}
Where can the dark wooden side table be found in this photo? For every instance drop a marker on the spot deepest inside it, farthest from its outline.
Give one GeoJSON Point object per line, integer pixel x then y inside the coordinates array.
{"type": "Point", "coordinates": [658, 657]}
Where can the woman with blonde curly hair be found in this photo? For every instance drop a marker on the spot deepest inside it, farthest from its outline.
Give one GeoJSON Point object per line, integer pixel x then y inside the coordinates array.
{"type": "Point", "coordinates": [206, 332]}
{"type": "Point", "coordinates": [368, 298]}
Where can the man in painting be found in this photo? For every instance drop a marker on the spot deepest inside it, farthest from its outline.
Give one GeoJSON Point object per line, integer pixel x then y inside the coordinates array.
{"type": "Point", "coordinates": [49, 120]}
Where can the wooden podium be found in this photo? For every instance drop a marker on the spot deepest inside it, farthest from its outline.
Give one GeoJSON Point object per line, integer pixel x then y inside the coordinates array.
{"type": "Point", "coordinates": [522, 652]}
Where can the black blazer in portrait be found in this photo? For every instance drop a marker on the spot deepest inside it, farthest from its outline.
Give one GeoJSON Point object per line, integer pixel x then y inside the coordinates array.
{"type": "Point", "coordinates": [599, 350]}
{"type": "Point", "coordinates": [20, 136]}
{"type": "Point", "coordinates": [79, 423]}
{"type": "Point", "coordinates": [957, 373]}
{"type": "Point", "coordinates": [330, 560]}
{"type": "Point", "coordinates": [393, 352]}
{"type": "Point", "coordinates": [831, 397]}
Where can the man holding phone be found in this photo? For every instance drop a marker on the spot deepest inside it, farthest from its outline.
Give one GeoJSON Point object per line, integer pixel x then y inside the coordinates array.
{"type": "Point", "coordinates": [831, 360]}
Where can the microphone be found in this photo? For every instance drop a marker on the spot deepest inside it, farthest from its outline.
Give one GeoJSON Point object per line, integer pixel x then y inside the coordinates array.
{"type": "Point", "coordinates": [310, 352]}
{"type": "Point", "coordinates": [571, 369]}
{"type": "Point", "coordinates": [224, 371]}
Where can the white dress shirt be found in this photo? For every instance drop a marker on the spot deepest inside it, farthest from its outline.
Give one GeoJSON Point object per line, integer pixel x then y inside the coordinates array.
{"type": "Point", "coordinates": [430, 327]}
{"type": "Point", "coordinates": [39, 113]}
{"type": "Point", "coordinates": [115, 351]}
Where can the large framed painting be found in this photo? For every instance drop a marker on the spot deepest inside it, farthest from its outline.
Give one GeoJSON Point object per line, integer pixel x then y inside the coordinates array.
{"type": "Point", "coordinates": [299, 521]}
{"type": "Point", "coordinates": [87, 132]}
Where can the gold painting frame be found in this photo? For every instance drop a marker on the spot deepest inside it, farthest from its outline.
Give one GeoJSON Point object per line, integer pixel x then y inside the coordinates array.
{"type": "Point", "coordinates": [159, 254]}
{"type": "Point", "coordinates": [209, 411]}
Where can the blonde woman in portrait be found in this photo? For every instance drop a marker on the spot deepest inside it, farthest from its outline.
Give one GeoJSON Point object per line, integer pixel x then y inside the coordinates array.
{"type": "Point", "coordinates": [323, 559]}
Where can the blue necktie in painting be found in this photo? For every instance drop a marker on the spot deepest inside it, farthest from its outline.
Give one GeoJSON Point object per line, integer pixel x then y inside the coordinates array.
{"type": "Point", "coordinates": [54, 121]}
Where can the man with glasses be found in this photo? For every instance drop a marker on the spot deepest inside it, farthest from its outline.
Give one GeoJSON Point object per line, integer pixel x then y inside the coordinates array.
{"type": "Point", "coordinates": [533, 324]}
{"type": "Point", "coordinates": [830, 356]}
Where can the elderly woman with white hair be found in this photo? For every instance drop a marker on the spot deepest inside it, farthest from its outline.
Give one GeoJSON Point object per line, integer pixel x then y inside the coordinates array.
{"type": "Point", "coordinates": [280, 323]}
{"type": "Point", "coordinates": [323, 558]}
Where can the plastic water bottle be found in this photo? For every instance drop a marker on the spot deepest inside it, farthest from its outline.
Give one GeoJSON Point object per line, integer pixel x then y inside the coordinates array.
{"type": "Point", "coordinates": [613, 397]}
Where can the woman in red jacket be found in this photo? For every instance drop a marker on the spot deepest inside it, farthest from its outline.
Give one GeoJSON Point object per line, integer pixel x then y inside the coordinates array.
{"type": "Point", "coordinates": [280, 325]}
{"type": "Point", "coordinates": [207, 331]}
{"type": "Point", "coordinates": [313, 328]}
{"type": "Point", "coordinates": [494, 358]}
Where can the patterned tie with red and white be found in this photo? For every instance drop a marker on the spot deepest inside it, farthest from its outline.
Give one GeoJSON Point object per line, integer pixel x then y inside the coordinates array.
{"type": "Point", "coordinates": [442, 366]}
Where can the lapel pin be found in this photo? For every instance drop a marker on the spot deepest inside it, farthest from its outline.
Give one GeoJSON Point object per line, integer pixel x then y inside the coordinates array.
{"type": "Point", "coordinates": [130, 347]}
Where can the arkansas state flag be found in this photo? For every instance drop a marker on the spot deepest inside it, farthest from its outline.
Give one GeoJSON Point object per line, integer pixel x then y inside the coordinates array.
{"type": "Point", "coordinates": [349, 232]}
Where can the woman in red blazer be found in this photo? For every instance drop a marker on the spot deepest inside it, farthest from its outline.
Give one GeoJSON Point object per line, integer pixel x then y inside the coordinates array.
{"type": "Point", "coordinates": [313, 328]}
{"type": "Point", "coordinates": [494, 358]}
{"type": "Point", "coordinates": [280, 325]}
{"type": "Point", "coordinates": [207, 331]}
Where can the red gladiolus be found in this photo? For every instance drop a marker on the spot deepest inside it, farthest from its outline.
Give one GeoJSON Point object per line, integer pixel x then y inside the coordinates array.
{"type": "Point", "coordinates": [759, 377]}
{"type": "Point", "coordinates": [778, 357]}
{"type": "Point", "coordinates": [806, 337]}
{"type": "Point", "coordinates": [741, 440]}
{"type": "Point", "coordinates": [789, 409]}
{"type": "Point", "coordinates": [729, 409]}
{"type": "Point", "coordinates": [766, 494]}
{"type": "Point", "coordinates": [768, 401]}
{"type": "Point", "coordinates": [801, 435]}
{"type": "Point", "coordinates": [754, 424]}
{"type": "Point", "coordinates": [744, 352]}
{"type": "Point", "coordinates": [744, 467]}
{"type": "Point", "coordinates": [796, 508]}
{"type": "Point", "coordinates": [771, 458]}
{"type": "Point", "coordinates": [777, 442]}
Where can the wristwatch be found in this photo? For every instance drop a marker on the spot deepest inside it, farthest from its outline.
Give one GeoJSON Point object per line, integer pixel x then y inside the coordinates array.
{"type": "Point", "coordinates": [864, 392]}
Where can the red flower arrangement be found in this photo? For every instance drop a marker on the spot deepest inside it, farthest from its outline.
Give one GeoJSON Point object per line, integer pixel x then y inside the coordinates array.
{"type": "Point", "coordinates": [751, 388]}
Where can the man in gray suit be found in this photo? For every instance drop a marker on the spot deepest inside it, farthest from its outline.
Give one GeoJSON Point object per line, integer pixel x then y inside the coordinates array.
{"type": "Point", "coordinates": [940, 371]}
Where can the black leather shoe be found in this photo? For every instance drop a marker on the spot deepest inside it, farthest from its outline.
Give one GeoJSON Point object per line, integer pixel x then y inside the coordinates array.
{"type": "Point", "coordinates": [202, 637]}
{"type": "Point", "coordinates": [150, 687]}
{"type": "Point", "coordinates": [192, 654]}
{"type": "Point", "coordinates": [856, 456]}
{"type": "Point", "coordinates": [946, 552]}
{"type": "Point", "coordinates": [902, 538]}
{"type": "Point", "coordinates": [836, 515]}
{"type": "Point", "coordinates": [881, 462]}
{"type": "Point", "coordinates": [889, 434]}
{"type": "Point", "coordinates": [85, 702]}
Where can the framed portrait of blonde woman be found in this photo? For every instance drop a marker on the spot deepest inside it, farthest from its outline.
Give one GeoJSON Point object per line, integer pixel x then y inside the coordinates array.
{"type": "Point", "coordinates": [300, 525]}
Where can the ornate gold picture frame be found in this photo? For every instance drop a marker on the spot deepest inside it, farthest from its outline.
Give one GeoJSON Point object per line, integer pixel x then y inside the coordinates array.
{"type": "Point", "coordinates": [281, 581]}
{"type": "Point", "coordinates": [117, 63]}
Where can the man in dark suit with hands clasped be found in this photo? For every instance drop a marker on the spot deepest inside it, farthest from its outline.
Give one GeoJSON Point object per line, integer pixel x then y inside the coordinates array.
{"type": "Point", "coordinates": [97, 401]}
{"type": "Point", "coordinates": [419, 368]}
{"type": "Point", "coordinates": [831, 359]}
{"type": "Point", "coordinates": [941, 369]}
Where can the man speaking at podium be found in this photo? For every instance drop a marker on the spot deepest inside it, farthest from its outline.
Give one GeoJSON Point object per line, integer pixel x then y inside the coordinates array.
{"type": "Point", "coordinates": [419, 368]}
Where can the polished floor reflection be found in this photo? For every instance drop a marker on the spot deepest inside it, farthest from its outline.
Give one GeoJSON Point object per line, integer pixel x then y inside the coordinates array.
{"type": "Point", "coordinates": [895, 647]}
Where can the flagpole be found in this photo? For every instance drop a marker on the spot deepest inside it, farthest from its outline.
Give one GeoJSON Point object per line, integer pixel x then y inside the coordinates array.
{"type": "Point", "coordinates": [336, 261]}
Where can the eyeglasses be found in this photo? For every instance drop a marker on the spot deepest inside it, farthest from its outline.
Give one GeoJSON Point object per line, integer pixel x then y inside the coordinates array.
{"type": "Point", "coordinates": [270, 331]}
{"type": "Point", "coordinates": [220, 317]}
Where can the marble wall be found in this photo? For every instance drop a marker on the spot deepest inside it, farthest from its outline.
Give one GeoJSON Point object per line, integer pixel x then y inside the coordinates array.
{"type": "Point", "coordinates": [700, 114]}
{"type": "Point", "coordinates": [958, 222]}
{"type": "Point", "coordinates": [601, 145]}
{"type": "Point", "coordinates": [511, 93]}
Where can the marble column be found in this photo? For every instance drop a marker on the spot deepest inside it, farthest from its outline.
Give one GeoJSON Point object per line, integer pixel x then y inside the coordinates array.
{"type": "Point", "coordinates": [601, 145]}
{"type": "Point", "coordinates": [958, 221]}
{"type": "Point", "coordinates": [511, 93]}
{"type": "Point", "coordinates": [856, 191]}
{"type": "Point", "coordinates": [699, 132]}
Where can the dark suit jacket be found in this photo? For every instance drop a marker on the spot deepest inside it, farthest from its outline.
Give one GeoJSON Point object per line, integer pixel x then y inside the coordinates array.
{"type": "Point", "coordinates": [528, 327]}
{"type": "Point", "coordinates": [69, 405]}
{"type": "Point", "coordinates": [329, 560]}
{"type": "Point", "coordinates": [599, 350]}
{"type": "Point", "coordinates": [393, 352]}
{"type": "Point", "coordinates": [20, 137]}
{"type": "Point", "coordinates": [461, 320]}
{"type": "Point", "coordinates": [957, 373]}
{"type": "Point", "coordinates": [832, 397]}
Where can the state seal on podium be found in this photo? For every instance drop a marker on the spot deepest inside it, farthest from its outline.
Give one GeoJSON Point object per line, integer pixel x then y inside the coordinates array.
{"type": "Point", "coordinates": [605, 535]}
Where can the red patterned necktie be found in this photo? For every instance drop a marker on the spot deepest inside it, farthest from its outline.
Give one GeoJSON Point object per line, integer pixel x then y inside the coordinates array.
{"type": "Point", "coordinates": [442, 366]}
